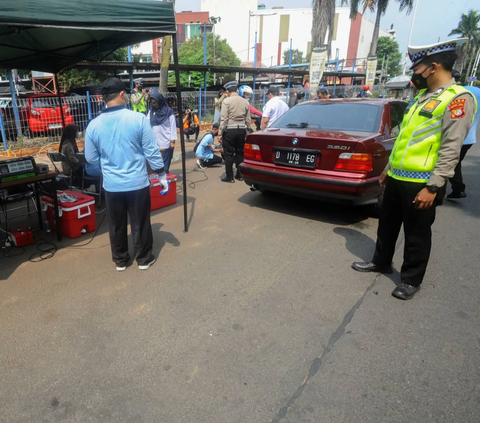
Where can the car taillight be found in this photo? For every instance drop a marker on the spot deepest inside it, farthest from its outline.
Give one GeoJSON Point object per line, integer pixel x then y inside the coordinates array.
{"type": "Point", "coordinates": [354, 162]}
{"type": "Point", "coordinates": [35, 113]}
{"type": "Point", "coordinates": [252, 151]}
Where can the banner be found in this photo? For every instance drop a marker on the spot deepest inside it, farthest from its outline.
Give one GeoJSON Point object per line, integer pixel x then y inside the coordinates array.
{"type": "Point", "coordinates": [371, 71]}
{"type": "Point", "coordinates": [317, 66]}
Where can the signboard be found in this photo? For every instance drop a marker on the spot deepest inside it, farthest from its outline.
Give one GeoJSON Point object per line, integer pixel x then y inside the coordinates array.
{"type": "Point", "coordinates": [371, 71]}
{"type": "Point", "coordinates": [472, 78]}
{"type": "Point", "coordinates": [317, 66]}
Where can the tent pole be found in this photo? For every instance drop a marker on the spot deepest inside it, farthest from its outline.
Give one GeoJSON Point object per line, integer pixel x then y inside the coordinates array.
{"type": "Point", "coordinates": [182, 139]}
{"type": "Point", "coordinates": [57, 88]}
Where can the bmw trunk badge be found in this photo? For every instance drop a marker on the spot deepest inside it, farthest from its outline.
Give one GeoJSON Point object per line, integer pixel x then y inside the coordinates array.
{"type": "Point", "coordinates": [295, 141]}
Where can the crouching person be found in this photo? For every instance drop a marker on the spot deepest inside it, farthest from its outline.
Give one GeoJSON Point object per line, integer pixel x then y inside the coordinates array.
{"type": "Point", "coordinates": [205, 149]}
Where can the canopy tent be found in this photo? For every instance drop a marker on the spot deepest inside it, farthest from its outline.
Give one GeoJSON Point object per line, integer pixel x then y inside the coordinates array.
{"type": "Point", "coordinates": [399, 82]}
{"type": "Point", "coordinates": [52, 35]}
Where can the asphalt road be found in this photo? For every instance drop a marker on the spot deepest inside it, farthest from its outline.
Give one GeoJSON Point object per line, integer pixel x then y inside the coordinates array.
{"type": "Point", "coordinates": [254, 315]}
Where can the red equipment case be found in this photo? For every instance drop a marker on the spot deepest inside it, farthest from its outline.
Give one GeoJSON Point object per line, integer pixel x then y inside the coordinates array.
{"type": "Point", "coordinates": [74, 216]}
{"type": "Point", "coordinates": [158, 200]}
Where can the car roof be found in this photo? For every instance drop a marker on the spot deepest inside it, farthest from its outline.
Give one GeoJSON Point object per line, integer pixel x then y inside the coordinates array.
{"type": "Point", "coordinates": [376, 101]}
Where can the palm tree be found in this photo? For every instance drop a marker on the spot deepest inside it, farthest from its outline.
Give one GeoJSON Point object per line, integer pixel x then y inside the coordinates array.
{"type": "Point", "coordinates": [323, 20]}
{"type": "Point", "coordinates": [468, 27]}
{"type": "Point", "coordinates": [165, 61]}
{"type": "Point", "coordinates": [378, 6]}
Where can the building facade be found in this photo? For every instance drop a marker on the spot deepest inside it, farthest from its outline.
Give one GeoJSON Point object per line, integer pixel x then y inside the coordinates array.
{"type": "Point", "coordinates": [275, 28]}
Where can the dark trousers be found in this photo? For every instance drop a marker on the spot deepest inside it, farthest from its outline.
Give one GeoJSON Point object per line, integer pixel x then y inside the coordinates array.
{"type": "Point", "coordinates": [233, 142]}
{"type": "Point", "coordinates": [457, 180]}
{"type": "Point", "coordinates": [167, 155]}
{"type": "Point", "coordinates": [398, 208]}
{"type": "Point", "coordinates": [135, 204]}
{"type": "Point", "coordinates": [213, 161]}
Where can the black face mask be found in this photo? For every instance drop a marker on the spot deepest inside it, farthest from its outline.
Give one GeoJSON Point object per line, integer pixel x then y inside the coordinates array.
{"type": "Point", "coordinates": [419, 80]}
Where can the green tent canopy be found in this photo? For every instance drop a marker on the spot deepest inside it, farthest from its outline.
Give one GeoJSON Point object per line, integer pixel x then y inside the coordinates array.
{"type": "Point", "coordinates": [51, 35]}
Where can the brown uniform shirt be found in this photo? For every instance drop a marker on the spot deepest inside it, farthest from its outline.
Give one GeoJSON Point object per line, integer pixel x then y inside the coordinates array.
{"type": "Point", "coordinates": [235, 113]}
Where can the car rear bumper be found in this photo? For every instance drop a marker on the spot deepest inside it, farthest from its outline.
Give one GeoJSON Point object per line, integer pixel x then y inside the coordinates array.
{"type": "Point", "coordinates": [337, 190]}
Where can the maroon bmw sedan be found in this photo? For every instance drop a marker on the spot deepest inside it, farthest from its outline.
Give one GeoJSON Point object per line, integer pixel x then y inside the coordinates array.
{"type": "Point", "coordinates": [333, 149]}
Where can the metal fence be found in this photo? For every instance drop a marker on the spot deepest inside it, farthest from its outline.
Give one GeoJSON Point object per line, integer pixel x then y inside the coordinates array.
{"type": "Point", "coordinates": [37, 119]}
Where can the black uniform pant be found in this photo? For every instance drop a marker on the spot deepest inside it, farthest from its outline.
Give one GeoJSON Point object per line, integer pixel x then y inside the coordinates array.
{"type": "Point", "coordinates": [135, 204]}
{"type": "Point", "coordinates": [398, 208]}
{"type": "Point", "coordinates": [213, 161]}
{"type": "Point", "coordinates": [457, 180]}
{"type": "Point", "coordinates": [233, 142]}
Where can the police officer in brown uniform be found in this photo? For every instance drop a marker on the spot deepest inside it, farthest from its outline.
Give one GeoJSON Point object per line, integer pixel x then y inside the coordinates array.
{"type": "Point", "coordinates": [424, 156]}
{"type": "Point", "coordinates": [235, 121]}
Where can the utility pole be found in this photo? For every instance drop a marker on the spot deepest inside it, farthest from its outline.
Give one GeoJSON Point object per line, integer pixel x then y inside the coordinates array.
{"type": "Point", "coordinates": [410, 36]}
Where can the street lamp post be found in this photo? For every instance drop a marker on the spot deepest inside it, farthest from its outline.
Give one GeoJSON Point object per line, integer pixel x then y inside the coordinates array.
{"type": "Point", "coordinates": [213, 21]}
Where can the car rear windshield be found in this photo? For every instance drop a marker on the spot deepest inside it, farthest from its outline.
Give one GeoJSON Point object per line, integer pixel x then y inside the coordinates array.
{"type": "Point", "coordinates": [332, 116]}
{"type": "Point", "coordinates": [41, 103]}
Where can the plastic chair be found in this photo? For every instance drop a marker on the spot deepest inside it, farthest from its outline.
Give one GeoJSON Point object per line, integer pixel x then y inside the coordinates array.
{"type": "Point", "coordinates": [97, 180]}
{"type": "Point", "coordinates": [56, 157]}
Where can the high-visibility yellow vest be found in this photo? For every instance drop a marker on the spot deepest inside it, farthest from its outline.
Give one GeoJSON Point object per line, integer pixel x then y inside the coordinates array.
{"type": "Point", "coordinates": [140, 107]}
{"type": "Point", "coordinates": [415, 152]}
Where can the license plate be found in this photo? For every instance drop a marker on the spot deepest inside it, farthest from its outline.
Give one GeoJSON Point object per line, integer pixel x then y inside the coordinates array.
{"type": "Point", "coordinates": [55, 126]}
{"type": "Point", "coordinates": [295, 158]}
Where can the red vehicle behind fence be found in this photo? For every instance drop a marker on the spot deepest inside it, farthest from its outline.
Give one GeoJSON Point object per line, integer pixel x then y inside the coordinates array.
{"type": "Point", "coordinates": [44, 113]}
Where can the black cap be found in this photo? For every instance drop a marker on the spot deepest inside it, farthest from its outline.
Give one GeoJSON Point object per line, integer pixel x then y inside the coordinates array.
{"type": "Point", "coordinates": [113, 86]}
{"type": "Point", "coordinates": [273, 90]}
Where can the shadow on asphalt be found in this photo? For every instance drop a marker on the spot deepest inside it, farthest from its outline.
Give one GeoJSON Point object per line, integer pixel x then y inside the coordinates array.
{"type": "Point", "coordinates": [306, 208]}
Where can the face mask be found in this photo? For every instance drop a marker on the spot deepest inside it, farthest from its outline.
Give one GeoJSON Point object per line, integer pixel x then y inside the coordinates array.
{"type": "Point", "coordinates": [419, 80]}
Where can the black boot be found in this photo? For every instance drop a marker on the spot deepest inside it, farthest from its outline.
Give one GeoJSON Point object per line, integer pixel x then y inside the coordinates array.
{"type": "Point", "coordinates": [368, 266]}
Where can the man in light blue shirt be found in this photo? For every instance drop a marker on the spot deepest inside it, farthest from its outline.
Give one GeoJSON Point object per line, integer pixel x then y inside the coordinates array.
{"type": "Point", "coordinates": [121, 142]}
{"type": "Point", "coordinates": [205, 149]}
{"type": "Point", "coordinates": [458, 186]}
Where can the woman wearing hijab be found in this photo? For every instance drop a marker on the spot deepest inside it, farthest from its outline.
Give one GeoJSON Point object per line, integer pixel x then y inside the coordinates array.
{"type": "Point", "coordinates": [68, 147]}
{"type": "Point", "coordinates": [222, 95]}
{"type": "Point", "coordinates": [164, 127]}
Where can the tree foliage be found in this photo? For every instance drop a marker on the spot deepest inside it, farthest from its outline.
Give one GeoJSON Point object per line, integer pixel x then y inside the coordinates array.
{"type": "Point", "coordinates": [297, 57]}
{"type": "Point", "coordinates": [389, 48]}
{"type": "Point", "coordinates": [73, 78]}
{"type": "Point", "coordinates": [468, 27]}
{"type": "Point", "coordinates": [191, 53]}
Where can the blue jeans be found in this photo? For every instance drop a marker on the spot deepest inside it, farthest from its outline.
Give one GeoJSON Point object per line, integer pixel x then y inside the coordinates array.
{"type": "Point", "coordinates": [167, 155]}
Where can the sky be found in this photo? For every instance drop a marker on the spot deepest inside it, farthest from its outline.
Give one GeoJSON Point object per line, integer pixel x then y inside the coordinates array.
{"type": "Point", "coordinates": [435, 18]}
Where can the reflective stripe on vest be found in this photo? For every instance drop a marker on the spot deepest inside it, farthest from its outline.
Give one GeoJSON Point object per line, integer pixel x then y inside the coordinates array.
{"type": "Point", "coordinates": [140, 107]}
{"type": "Point", "coordinates": [415, 152]}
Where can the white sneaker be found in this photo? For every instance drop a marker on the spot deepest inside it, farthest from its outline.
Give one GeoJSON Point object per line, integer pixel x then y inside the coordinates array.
{"type": "Point", "coordinates": [200, 164]}
{"type": "Point", "coordinates": [121, 268]}
{"type": "Point", "coordinates": [146, 266]}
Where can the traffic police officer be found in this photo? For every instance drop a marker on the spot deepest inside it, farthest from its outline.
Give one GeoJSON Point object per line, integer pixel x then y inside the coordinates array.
{"type": "Point", "coordinates": [424, 156]}
{"type": "Point", "coordinates": [235, 121]}
{"type": "Point", "coordinates": [139, 97]}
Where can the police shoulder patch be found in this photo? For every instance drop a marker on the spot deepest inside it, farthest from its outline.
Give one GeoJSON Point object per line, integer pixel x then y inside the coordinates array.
{"type": "Point", "coordinates": [431, 105]}
{"type": "Point", "coordinates": [457, 108]}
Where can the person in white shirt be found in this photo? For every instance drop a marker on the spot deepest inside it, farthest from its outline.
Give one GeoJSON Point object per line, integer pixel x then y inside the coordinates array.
{"type": "Point", "coordinates": [164, 127]}
{"type": "Point", "coordinates": [274, 108]}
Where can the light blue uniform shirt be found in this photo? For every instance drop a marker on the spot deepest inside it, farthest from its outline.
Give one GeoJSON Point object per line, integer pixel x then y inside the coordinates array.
{"type": "Point", "coordinates": [472, 134]}
{"type": "Point", "coordinates": [121, 142]}
{"type": "Point", "coordinates": [205, 152]}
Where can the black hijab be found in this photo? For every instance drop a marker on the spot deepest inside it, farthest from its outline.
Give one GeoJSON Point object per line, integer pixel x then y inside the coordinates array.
{"type": "Point", "coordinates": [159, 116]}
{"type": "Point", "coordinates": [69, 135]}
